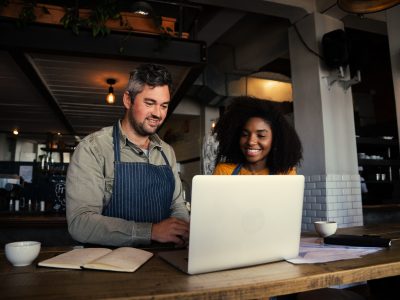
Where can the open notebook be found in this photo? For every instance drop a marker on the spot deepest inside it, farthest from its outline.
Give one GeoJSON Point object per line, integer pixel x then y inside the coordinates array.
{"type": "Point", "coordinates": [238, 221]}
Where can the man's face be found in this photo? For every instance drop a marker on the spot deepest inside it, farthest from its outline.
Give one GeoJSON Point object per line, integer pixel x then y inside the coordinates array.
{"type": "Point", "coordinates": [148, 110]}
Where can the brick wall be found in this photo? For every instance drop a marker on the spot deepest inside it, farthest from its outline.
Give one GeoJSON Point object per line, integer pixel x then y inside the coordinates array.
{"type": "Point", "coordinates": [334, 198]}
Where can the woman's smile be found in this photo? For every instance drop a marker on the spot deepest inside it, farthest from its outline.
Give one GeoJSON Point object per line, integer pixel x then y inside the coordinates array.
{"type": "Point", "coordinates": [252, 152]}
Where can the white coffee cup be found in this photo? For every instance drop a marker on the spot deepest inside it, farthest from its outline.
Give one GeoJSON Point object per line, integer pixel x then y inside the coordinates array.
{"type": "Point", "coordinates": [22, 253]}
{"type": "Point", "coordinates": [325, 228]}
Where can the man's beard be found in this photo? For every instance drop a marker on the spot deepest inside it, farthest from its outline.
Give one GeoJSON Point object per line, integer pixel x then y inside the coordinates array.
{"type": "Point", "coordinates": [140, 128]}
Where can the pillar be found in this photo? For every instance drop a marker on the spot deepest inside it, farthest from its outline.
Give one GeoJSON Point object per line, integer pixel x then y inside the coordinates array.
{"type": "Point", "coordinates": [324, 120]}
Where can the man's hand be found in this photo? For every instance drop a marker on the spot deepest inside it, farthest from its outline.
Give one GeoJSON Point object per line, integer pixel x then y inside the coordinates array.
{"type": "Point", "coordinates": [171, 230]}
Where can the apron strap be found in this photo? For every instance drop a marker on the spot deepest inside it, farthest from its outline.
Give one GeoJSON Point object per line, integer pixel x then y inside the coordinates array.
{"type": "Point", "coordinates": [165, 158]}
{"type": "Point", "coordinates": [117, 155]}
{"type": "Point", "coordinates": [237, 169]}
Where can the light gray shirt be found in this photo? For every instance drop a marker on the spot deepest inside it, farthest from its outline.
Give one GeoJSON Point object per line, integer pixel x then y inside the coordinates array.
{"type": "Point", "coordinates": [89, 187]}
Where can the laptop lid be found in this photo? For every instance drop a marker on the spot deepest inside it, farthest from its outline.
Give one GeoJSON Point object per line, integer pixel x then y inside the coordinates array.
{"type": "Point", "coordinates": [244, 220]}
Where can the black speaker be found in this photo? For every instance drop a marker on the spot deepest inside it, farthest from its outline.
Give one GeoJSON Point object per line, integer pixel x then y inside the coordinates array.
{"type": "Point", "coordinates": [336, 48]}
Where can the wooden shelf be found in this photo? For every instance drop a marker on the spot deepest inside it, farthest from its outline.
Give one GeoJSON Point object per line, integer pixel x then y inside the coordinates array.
{"type": "Point", "coordinates": [382, 206]}
{"type": "Point", "coordinates": [32, 219]}
{"type": "Point", "coordinates": [378, 182]}
{"type": "Point", "coordinates": [129, 21]}
{"type": "Point", "coordinates": [376, 141]}
{"type": "Point", "coordinates": [379, 162]}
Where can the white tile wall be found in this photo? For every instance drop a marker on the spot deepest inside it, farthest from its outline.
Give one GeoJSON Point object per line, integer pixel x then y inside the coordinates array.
{"type": "Point", "coordinates": [332, 197]}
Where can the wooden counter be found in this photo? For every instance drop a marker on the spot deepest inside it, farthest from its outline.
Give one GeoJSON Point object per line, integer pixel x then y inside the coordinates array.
{"type": "Point", "coordinates": [158, 280]}
{"type": "Point", "coordinates": [49, 228]}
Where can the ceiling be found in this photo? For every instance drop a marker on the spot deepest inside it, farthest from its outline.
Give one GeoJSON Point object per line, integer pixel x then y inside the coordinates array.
{"type": "Point", "coordinates": [79, 85]}
{"type": "Point", "coordinates": [54, 81]}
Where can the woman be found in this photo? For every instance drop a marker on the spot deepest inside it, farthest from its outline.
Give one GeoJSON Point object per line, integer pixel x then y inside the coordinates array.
{"type": "Point", "coordinates": [255, 139]}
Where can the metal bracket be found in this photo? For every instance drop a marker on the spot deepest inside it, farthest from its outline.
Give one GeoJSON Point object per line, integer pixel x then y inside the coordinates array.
{"type": "Point", "coordinates": [352, 81]}
{"type": "Point", "coordinates": [339, 77]}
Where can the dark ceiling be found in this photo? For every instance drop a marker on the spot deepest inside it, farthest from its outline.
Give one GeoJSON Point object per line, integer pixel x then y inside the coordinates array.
{"type": "Point", "coordinates": [55, 81]}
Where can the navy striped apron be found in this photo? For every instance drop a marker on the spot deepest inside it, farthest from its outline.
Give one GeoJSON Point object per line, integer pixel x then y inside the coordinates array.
{"type": "Point", "coordinates": [142, 191]}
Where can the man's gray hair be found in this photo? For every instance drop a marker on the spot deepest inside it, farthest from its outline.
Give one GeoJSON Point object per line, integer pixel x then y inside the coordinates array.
{"type": "Point", "coordinates": [148, 74]}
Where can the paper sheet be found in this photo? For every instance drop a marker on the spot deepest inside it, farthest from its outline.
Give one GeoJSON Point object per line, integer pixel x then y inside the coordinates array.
{"type": "Point", "coordinates": [312, 250]}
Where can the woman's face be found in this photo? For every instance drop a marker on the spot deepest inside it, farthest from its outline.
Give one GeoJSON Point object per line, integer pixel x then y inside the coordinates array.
{"type": "Point", "coordinates": [255, 142]}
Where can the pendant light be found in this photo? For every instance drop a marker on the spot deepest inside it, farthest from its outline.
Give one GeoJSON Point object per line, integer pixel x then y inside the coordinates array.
{"type": "Point", "coordinates": [366, 6]}
{"type": "Point", "coordinates": [142, 8]}
{"type": "Point", "coordinates": [110, 99]}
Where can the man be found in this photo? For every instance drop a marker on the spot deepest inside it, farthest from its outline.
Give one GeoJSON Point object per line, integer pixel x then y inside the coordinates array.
{"type": "Point", "coordinates": [123, 188]}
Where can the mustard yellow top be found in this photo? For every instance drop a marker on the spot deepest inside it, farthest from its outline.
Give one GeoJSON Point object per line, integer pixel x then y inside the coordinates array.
{"type": "Point", "coordinates": [227, 169]}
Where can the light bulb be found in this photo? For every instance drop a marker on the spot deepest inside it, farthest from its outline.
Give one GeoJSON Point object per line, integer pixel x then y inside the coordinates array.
{"type": "Point", "coordinates": [110, 98]}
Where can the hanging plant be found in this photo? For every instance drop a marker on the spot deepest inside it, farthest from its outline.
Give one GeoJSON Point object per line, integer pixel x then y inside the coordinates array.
{"type": "Point", "coordinates": [104, 10]}
{"type": "Point", "coordinates": [27, 13]}
{"type": "Point", "coordinates": [71, 19]}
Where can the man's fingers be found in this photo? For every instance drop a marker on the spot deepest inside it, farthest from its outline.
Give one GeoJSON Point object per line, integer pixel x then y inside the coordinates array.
{"type": "Point", "coordinates": [179, 222]}
{"type": "Point", "coordinates": [171, 230]}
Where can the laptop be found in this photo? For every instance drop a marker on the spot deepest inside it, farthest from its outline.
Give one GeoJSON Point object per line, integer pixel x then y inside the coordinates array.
{"type": "Point", "coordinates": [239, 221]}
